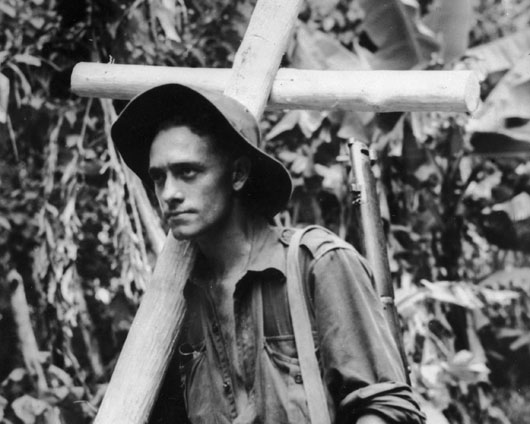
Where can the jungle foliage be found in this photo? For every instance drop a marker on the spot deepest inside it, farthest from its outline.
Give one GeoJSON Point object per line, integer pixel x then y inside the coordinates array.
{"type": "Point", "coordinates": [76, 253]}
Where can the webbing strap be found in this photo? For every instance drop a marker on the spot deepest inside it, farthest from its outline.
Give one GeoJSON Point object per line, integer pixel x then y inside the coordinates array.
{"type": "Point", "coordinates": [303, 336]}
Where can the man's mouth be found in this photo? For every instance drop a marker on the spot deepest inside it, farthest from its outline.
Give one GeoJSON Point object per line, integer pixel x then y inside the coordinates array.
{"type": "Point", "coordinates": [175, 215]}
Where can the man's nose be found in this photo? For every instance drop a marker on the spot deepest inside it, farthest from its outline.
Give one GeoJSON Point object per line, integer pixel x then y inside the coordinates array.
{"type": "Point", "coordinates": [172, 192]}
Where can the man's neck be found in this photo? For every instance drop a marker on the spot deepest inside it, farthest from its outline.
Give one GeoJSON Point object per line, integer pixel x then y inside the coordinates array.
{"type": "Point", "coordinates": [228, 249]}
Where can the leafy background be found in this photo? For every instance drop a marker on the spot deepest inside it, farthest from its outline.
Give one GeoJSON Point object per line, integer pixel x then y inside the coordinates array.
{"type": "Point", "coordinates": [79, 238]}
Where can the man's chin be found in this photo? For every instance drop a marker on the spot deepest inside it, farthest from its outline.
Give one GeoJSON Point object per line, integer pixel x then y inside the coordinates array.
{"type": "Point", "coordinates": [180, 235]}
{"type": "Point", "coordinates": [184, 233]}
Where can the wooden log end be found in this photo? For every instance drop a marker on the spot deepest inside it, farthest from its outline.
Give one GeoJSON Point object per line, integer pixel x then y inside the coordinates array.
{"type": "Point", "coordinates": [472, 92]}
{"type": "Point", "coordinates": [79, 79]}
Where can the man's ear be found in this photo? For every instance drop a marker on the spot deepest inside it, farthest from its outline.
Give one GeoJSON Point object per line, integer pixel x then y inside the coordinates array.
{"type": "Point", "coordinates": [240, 172]}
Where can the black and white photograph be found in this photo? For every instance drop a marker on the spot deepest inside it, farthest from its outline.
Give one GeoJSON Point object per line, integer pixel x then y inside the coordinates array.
{"type": "Point", "coordinates": [264, 212]}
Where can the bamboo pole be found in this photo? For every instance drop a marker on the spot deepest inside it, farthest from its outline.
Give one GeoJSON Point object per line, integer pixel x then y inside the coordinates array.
{"type": "Point", "coordinates": [379, 91]}
{"type": "Point", "coordinates": [150, 344]}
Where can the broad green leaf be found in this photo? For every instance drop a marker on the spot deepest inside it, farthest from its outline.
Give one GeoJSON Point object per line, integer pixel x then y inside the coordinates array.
{"type": "Point", "coordinates": [451, 20]}
{"type": "Point", "coordinates": [407, 300]}
{"type": "Point", "coordinates": [103, 295]}
{"type": "Point", "coordinates": [27, 408]}
{"type": "Point", "coordinates": [433, 410]}
{"type": "Point", "coordinates": [482, 189]}
{"type": "Point", "coordinates": [55, 395]}
{"type": "Point", "coordinates": [315, 49]}
{"type": "Point", "coordinates": [508, 100]}
{"type": "Point", "coordinates": [27, 59]}
{"type": "Point", "coordinates": [509, 332]}
{"type": "Point", "coordinates": [167, 13]}
{"type": "Point", "coordinates": [460, 293]}
{"type": "Point", "coordinates": [499, 297]}
{"type": "Point", "coordinates": [38, 22]}
{"type": "Point", "coordinates": [431, 373]}
{"type": "Point", "coordinates": [520, 342]}
{"type": "Point", "coordinates": [310, 121]}
{"type": "Point", "coordinates": [394, 139]}
{"type": "Point", "coordinates": [53, 414]}
{"type": "Point", "coordinates": [427, 171]}
{"type": "Point", "coordinates": [4, 223]}
{"type": "Point", "coordinates": [286, 123]}
{"type": "Point", "coordinates": [401, 40]}
{"type": "Point", "coordinates": [509, 278]}
{"type": "Point", "coordinates": [8, 9]}
{"type": "Point", "coordinates": [300, 165]}
{"type": "Point", "coordinates": [467, 368]}
{"type": "Point", "coordinates": [501, 54]}
{"type": "Point", "coordinates": [60, 376]}
{"type": "Point", "coordinates": [517, 208]}
{"type": "Point", "coordinates": [307, 120]}
{"type": "Point", "coordinates": [287, 156]}
{"type": "Point", "coordinates": [333, 180]}
{"type": "Point", "coordinates": [16, 375]}
{"type": "Point", "coordinates": [353, 125]}
{"type": "Point", "coordinates": [3, 56]}
{"type": "Point", "coordinates": [322, 7]}
{"type": "Point", "coordinates": [475, 345]}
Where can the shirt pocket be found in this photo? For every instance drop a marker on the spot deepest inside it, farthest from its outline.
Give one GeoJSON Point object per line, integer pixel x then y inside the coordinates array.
{"type": "Point", "coordinates": [282, 353]}
{"type": "Point", "coordinates": [191, 357]}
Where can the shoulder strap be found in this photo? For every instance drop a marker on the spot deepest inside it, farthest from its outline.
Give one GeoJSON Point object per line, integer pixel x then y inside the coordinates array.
{"type": "Point", "coordinates": [303, 336]}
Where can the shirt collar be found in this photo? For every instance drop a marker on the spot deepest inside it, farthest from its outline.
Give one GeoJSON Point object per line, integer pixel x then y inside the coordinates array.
{"type": "Point", "coordinates": [267, 252]}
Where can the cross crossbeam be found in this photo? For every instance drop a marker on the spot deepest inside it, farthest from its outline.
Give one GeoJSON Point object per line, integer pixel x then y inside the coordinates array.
{"type": "Point", "coordinates": [378, 91]}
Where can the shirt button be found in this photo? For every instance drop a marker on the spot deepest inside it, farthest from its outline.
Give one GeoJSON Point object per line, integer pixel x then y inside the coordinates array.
{"type": "Point", "coordinates": [226, 387]}
{"type": "Point", "coordinates": [298, 379]}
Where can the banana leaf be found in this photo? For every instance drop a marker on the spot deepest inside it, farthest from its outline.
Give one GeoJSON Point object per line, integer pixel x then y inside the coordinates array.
{"type": "Point", "coordinates": [400, 39]}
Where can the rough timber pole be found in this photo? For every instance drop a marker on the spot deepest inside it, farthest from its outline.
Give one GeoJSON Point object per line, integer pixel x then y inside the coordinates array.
{"type": "Point", "coordinates": [150, 344]}
{"type": "Point", "coordinates": [378, 91]}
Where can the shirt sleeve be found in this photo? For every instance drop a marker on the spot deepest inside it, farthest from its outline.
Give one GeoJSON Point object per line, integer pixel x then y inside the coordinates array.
{"type": "Point", "coordinates": [362, 365]}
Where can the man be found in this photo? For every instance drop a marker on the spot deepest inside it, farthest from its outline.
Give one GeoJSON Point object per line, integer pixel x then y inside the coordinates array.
{"type": "Point", "coordinates": [236, 356]}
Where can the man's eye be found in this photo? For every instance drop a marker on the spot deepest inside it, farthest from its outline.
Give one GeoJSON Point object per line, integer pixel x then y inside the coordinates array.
{"type": "Point", "coordinates": [157, 177]}
{"type": "Point", "coordinates": [188, 173]}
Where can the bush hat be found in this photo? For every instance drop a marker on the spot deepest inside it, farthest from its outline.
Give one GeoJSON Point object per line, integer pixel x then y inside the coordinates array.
{"type": "Point", "coordinates": [269, 186]}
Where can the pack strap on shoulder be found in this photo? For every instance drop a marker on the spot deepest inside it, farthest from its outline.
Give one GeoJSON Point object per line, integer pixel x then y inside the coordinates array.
{"type": "Point", "coordinates": [321, 240]}
{"type": "Point", "coordinates": [305, 345]}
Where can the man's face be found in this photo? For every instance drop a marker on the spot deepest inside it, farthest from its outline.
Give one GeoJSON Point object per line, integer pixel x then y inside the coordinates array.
{"type": "Point", "coordinates": [192, 181]}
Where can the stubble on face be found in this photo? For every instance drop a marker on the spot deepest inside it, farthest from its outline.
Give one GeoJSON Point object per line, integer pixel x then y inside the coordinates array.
{"type": "Point", "coordinates": [192, 182]}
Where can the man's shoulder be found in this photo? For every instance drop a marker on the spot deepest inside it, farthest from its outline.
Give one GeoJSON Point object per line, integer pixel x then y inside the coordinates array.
{"type": "Point", "coordinates": [317, 240]}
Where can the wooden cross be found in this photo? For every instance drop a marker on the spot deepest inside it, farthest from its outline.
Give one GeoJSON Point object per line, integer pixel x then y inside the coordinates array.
{"type": "Point", "coordinates": [254, 80]}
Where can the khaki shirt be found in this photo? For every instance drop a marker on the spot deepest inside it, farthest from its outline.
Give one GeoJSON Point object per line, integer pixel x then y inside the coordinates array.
{"type": "Point", "coordinates": [360, 363]}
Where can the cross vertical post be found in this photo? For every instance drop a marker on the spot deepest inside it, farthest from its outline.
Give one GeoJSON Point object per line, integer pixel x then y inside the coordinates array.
{"type": "Point", "coordinates": [150, 344]}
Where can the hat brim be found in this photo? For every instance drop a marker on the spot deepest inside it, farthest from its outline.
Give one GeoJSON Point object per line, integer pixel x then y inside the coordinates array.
{"type": "Point", "coordinates": [270, 185]}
